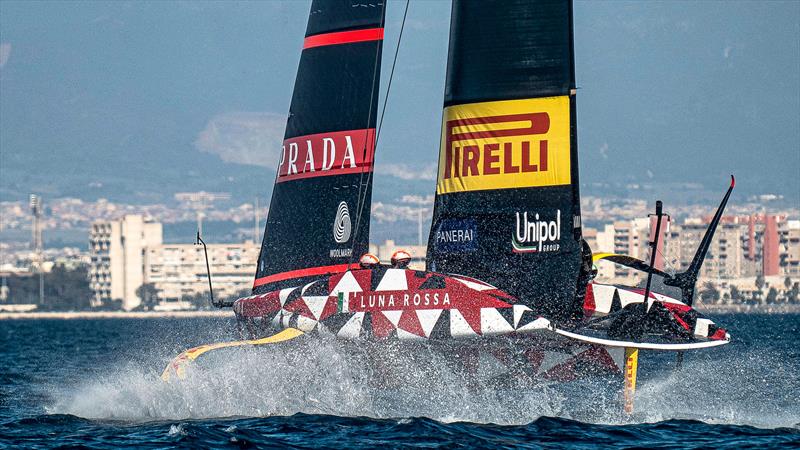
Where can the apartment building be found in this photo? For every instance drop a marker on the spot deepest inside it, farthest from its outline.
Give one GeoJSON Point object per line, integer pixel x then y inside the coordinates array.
{"type": "Point", "coordinates": [178, 271]}
{"type": "Point", "coordinates": [630, 237]}
{"type": "Point", "coordinates": [129, 252]}
{"type": "Point", "coordinates": [602, 242]}
{"type": "Point", "coordinates": [789, 241]}
{"type": "Point", "coordinates": [117, 252]}
{"type": "Point", "coordinates": [725, 256]}
{"type": "Point", "coordinates": [743, 247]}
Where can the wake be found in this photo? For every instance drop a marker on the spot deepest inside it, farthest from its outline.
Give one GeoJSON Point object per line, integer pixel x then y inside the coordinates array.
{"type": "Point", "coordinates": [332, 377]}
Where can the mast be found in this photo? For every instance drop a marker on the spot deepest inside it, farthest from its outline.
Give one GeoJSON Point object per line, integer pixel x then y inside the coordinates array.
{"type": "Point", "coordinates": [507, 207]}
{"type": "Point", "coordinates": [314, 226]}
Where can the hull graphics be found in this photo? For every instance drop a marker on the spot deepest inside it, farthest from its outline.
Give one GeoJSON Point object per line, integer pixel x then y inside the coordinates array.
{"type": "Point", "coordinates": [480, 329]}
{"type": "Point", "coordinates": [393, 303]}
{"type": "Point", "coordinates": [387, 303]}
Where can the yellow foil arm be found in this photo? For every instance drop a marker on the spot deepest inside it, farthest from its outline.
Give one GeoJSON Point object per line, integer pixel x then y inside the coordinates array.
{"type": "Point", "coordinates": [179, 363]}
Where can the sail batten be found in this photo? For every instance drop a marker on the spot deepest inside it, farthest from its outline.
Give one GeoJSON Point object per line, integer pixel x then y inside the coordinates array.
{"type": "Point", "coordinates": [507, 204]}
{"type": "Point", "coordinates": [313, 227]}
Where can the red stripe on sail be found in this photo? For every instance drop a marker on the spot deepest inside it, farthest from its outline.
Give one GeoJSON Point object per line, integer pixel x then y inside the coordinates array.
{"type": "Point", "coordinates": [311, 271]}
{"type": "Point", "coordinates": [343, 37]}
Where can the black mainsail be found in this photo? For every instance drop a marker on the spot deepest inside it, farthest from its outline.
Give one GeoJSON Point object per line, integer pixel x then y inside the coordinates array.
{"type": "Point", "coordinates": [320, 209]}
{"type": "Point", "coordinates": [507, 207]}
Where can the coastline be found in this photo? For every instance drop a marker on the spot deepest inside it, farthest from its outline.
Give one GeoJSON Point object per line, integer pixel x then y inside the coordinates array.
{"type": "Point", "coordinates": [70, 315]}
{"type": "Point", "coordinates": [754, 309]}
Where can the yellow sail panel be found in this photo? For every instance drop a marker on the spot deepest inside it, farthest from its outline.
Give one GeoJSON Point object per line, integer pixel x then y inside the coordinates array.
{"type": "Point", "coordinates": [505, 144]}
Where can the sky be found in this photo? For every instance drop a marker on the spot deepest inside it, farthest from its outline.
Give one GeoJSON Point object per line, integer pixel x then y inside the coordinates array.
{"type": "Point", "coordinates": [669, 92]}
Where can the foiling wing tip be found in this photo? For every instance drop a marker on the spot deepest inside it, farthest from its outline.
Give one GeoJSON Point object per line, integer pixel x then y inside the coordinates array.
{"type": "Point", "coordinates": [733, 181]}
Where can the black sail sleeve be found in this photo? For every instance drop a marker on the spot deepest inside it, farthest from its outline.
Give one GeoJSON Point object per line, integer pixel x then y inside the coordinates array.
{"type": "Point", "coordinates": [507, 207]}
{"type": "Point", "coordinates": [314, 226]}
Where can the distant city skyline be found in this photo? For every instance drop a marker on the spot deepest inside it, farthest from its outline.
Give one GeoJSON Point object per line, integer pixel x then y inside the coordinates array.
{"type": "Point", "coordinates": [131, 266]}
{"type": "Point", "coordinates": [105, 98]}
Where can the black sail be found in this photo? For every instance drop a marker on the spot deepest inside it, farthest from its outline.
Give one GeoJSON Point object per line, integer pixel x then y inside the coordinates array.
{"type": "Point", "coordinates": [507, 207]}
{"type": "Point", "coordinates": [320, 209]}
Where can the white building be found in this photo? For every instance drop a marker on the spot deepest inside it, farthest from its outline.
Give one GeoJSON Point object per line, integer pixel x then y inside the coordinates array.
{"type": "Point", "coordinates": [601, 242]}
{"type": "Point", "coordinates": [117, 264]}
{"type": "Point", "coordinates": [179, 271]}
{"type": "Point", "coordinates": [624, 237]}
{"type": "Point", "coordinates": [790, 249]}
{"type": "Point", "coordinates": [725, 256]}
{"type": "Point", "coordinates": [128, 253]}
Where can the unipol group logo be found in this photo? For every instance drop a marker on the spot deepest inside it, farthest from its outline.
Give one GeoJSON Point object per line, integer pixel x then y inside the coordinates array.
{"type": "Point", "coordinates": [535, 234]}
{"type": "Point", "coordinates": [341, 224]}
{"type": "Point", "coordinates": [505, 144]}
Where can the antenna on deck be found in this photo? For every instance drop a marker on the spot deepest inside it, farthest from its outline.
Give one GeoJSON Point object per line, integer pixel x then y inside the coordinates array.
{"type": "Point", "coordinates": [653, 251]}
{"type": "Point", "coordinates": [208, 271]}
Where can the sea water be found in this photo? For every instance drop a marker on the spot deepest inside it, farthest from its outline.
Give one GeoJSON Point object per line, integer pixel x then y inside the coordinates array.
{"type": "Point", "coordinates": [96, 383]}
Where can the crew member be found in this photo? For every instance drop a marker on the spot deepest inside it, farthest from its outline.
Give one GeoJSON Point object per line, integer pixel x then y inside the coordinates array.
{"type": "Point", "coordinates": [369, 261]}
{"type": "Point", "coordinates": [587, 273]}
{"type": "Point", "coordinates": [401, 259]}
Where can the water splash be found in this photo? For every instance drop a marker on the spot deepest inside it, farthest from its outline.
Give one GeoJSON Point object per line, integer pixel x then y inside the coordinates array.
{"type": "Point", "coordinates": [319, 376]}
{"type": "Point", "coordinates": [744, 388]}
{"type": "Point", "coordinates": [327, 376]}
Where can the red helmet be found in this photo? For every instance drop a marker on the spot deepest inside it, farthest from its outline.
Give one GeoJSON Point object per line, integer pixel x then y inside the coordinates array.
{"type": "Point", "coordinates": [401, 259]}
{"type": "Point", "coordinates": [368, 261]}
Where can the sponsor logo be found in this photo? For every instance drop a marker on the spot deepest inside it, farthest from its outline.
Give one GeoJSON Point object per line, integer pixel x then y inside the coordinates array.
{"type": "Point", "coordinates": [505, 144]}
{"type": "Point", "coordinates": [342, 228]}
{"type": "Point", "coordinates": [341, 253]}
{"type": "Point", "coordinates": [534, 234]}
{"type": "Point", "coordinates": [456, 235]}
{"type": "Point", "coordinates": [342, 224]}
{"type": "Point", "coordinates": [325, 154]}
{"type": "Point", "coordinates": [374, 301]}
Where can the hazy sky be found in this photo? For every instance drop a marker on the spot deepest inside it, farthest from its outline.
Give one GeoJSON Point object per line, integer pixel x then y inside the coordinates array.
{"type": "Point", "coordinates": [672, 91]}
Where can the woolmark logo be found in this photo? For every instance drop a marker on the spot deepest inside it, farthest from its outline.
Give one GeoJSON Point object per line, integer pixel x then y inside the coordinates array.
{"type": "Point", "coordinates": [341, 224]}
{"type": "Point", "coordinates": [534, 234]}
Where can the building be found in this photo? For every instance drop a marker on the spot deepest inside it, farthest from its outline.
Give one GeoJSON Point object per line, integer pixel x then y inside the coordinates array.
{"type": "Point", "coordinates": [760, 242]}
{"type": "Point", "coordinates": [789, 239]}
{"type": "Point", "coordinates": [601, 242]}
{"type": "Point", "coordinates": [178, 271]}
{"type": "Point", "coordinates": [725, 257]}
{"type": "Point", "coordinates": [629, 237]}
{"type": "Point", "coordinates": [117, 250]}
{"type": "Point", "coordinates": [129, 253]}
{"type": "Point", "coordinates": [758, 245]}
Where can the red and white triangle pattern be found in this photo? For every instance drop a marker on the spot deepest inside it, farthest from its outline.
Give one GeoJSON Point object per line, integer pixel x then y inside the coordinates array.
{"type": "Point", "coordinates": [472, 309]}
